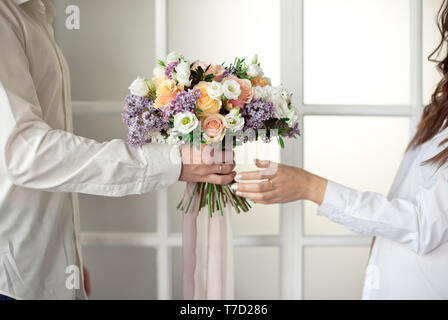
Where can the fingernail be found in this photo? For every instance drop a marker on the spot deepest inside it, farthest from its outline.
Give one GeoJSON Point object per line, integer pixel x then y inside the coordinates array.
{"type": "Point", "coordinates": [238, 193]}
{"type": "Point", "coordinates": [238, 177]}
{"type": "Point", "coordinates": [235, 186]}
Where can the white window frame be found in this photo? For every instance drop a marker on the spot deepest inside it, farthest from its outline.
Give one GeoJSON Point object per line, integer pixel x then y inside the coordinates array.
{"type": "Point", "coordinates": [291, 240]}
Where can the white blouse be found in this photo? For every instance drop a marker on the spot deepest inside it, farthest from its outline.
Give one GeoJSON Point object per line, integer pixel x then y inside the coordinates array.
{"type": "Point", "coordinates": [410, 256]}
{"type": "Point", "coordinates": [43, 165]}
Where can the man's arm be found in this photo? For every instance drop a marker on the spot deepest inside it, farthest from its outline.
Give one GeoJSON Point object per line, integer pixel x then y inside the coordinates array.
{"type": "Point", "coordinates": [37, 156]}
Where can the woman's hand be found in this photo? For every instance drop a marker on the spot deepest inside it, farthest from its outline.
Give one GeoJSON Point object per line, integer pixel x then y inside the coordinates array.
{"type": "Point", "coordinates": [281, 184]}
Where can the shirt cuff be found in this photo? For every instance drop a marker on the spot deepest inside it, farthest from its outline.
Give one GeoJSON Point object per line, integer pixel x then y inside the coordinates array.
{"type": "Point", "coordinates": [163, 168]}
{"type": "Point", "coordinates": [335, 201]}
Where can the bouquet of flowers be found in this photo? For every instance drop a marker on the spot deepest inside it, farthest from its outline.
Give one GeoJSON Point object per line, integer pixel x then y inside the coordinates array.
{"type": "Point", "coordinates": [201, 103]}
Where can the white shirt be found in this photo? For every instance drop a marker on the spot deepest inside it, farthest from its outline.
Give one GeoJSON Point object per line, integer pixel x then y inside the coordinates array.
{"type": "Point", "coordinates": [410, 256]}
{"type": "Point", "coordinates": [42, 164]}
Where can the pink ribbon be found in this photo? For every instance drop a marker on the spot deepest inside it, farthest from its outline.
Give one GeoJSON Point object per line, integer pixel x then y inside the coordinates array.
{"type": "Point", "coordinates": [207, 253]}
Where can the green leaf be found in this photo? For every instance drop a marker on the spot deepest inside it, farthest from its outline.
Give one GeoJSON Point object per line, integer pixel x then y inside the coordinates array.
{"type": "Point", "coordinates": [281, 142]}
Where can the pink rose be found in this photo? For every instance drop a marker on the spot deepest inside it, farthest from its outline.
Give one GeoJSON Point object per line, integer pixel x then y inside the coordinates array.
{"type": "Point", "coordinates": [214, 128]}
{"type": "Point", "coordinates": [247, 93]}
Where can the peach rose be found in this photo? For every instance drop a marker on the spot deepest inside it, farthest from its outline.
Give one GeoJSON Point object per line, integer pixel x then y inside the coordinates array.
{"type": "Point", "coordinates": [207, 104]}
{"type": "Point", "coordinates": [217, 70]}
{"type": "Point", "coordinates": [246, 93]}
{"type": "Point", "coordinates": [214, 128]}
{"type": "Point", "coordinates": [166, 92]}
{"type": "Point", "coordinates": [259, 82]}
{"type": "Point", "coordinates": [157, 81]}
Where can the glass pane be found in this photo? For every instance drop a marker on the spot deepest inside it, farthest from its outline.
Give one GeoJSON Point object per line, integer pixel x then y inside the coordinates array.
{"type": "Point", "coordinates": [356, 52]}
{"type": "Point", "coordinates": [190, 37]}
{"type": "Point", "coordinates": [261, 219]}
{"type": "Point", "coordinates": [335, 273]}
{"type": "Point", "coordinates": [127, 214]}
{"type": "Point", "coordinates": [114, 45]}
{"type": "Point", "coordinates": [101, 127]}
{"type": "Point", "coordinates": [257, 273]}
{"type": "Point", "coordinates": [175, 193]}
{"type": "Point", "coordinates": [121, 273]}
{"type": "Point", "coordinates": [176, 275]}
{"type": "Point", "coordinates": [360, 152]}
{"type": "Point", "coordinates": [431, 39]}
{"type": "Point", "coordinates": [251, 280]}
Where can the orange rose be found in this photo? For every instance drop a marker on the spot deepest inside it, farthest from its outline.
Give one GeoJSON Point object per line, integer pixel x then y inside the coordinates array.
{"type": "Point", "coordinates": [207, 104]}
{"type": "Point", "coordinates": [214, 128]}
{"type": "Point", "coordinates": [259, 82]}
{"type": "Point", "coordinates": [166, 92]}
{"type": "Point", "coordinates": [246, 93]}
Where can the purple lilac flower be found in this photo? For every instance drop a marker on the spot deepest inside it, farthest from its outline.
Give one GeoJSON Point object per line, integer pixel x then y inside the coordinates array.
{"type": "Point", "coordinates": [141, 117]}
{"type": "Point", "coordinates": [170, 69]}
{"type": "Point", "coordinates": [229, 72]}
{"type": "Point", "coordinates": [256, 113]}
{"type": "Point", "coordinates": [286, 131]}
{"type": "Point", "coordinates": [185, 101]}
{"type": "Point", "coordinates": [134, 107]}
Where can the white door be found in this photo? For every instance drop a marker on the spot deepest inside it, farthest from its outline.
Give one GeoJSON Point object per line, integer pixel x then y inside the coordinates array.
{"type": "Point", "coordinates": [356, 69]}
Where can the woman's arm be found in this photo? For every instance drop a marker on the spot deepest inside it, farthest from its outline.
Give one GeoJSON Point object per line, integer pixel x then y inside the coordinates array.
{"type": "Point", "coordinates": [420, 224]}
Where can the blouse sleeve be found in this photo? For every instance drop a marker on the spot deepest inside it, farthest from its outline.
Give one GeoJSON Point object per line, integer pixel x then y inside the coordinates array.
{"type": "Point", "coordinates": [420, 224]}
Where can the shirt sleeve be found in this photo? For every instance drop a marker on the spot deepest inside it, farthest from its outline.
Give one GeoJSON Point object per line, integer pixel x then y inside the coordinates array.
{"type": "Point", "coordinates": [420, 224]}
{"type": "Point", "coordinates": [35, 155]}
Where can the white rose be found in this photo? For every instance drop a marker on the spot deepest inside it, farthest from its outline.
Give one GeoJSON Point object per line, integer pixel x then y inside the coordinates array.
{"type": "Point", "coordinates": [158, 71]}
{"type": "Point", "coordinates": [185, 122]}
{"type": "Point", "coordinates": [139, 87]}
{"type": "Point", "coordinates": [254, 70]}
{"type": "Point", "coordinates": [183, 73]}
{"type": "Point", "coordinates": [232, 89]}
{"type": "Point", "coordinates": [293, 117]}
{"type": "Point", "coordinates": [215, 90]}
{"type": "Point", "coordinates": [234, 121]}
{"type": "Point", "coordinates": [281, 106]}
{"type": "Point", "coordinates": [173, 57]}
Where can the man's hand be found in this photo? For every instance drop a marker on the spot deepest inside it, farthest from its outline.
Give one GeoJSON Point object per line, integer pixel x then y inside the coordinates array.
{"type": "Point", "coordinates": [209, 164]}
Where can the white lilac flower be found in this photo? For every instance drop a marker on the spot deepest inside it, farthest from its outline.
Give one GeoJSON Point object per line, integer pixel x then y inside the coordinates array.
{"type": "Point", "coordinates": [254, 70]}
{"type": "Point", "coordinates": [173, 57]}
{"type": "Point", "coordinates": [215, 90]}
{"type": "Point", "coordinates": [232, 89]}
{"type": "Point", "coordinates": [185, 122]}
{"type": "Point", "coordinates": [173, 138]}
{"type": "Point", "coordinates": [139, 87]}
{"type": "Point", "coordinates": [154, 136]}
{"type": "Point", "coordinates": [183, 73]}
{"type": "Point", "coordinates": [234, 121]}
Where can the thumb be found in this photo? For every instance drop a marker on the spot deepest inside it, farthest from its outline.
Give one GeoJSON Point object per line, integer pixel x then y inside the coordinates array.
{"type": "Point", "coordinates": [262, 163]}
